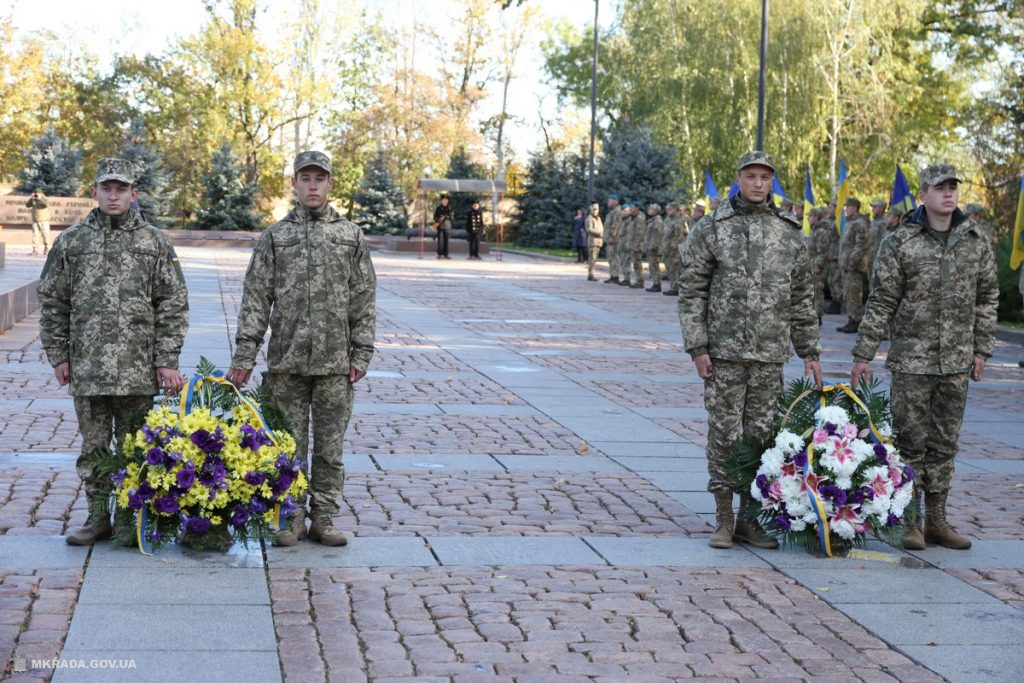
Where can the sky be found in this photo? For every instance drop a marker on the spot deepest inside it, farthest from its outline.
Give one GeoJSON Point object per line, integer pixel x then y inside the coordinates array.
{"type": "Point", "coordinates": [129, 27]}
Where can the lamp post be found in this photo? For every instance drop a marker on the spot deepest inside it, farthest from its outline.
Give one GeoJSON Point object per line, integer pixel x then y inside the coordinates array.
{"type": "Point", "coordinates": [593, 113]}
{"type": "Point", "coordinates": [761, 76]}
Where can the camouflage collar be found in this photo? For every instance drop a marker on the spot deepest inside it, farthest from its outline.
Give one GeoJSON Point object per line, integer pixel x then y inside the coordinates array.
{"type": "Point", "coordinates": [918, 217]}
{"type": "Point", "coordinates": [131, 220]}
{"type": "Point", "coordinates": [300, 214]}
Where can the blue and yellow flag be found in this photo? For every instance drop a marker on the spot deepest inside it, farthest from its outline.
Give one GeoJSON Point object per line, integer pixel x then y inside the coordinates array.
{"type": "Point", "coordinates": [710, 191]}
{"type": "Point", "coordinates": [808, 200]}
{"type": "Point", "coordinates": [778, 194]}
{"type": "Point", "coordinates": [734, 190]}
{"type": "Point", "coordinates": [842, 193]}
{"type": "Point", "coordinates": [902, 198]}
{"type": "Point", "coordinates": [1017, 254]}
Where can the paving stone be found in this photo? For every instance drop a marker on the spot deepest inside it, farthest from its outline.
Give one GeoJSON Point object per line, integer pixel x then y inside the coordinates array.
{"type": "Point", "coordinates": [647, 465]}
{"type": "Point", "coordinates": [434, 462]}
{"type": "Point", "coordinates": [554, 463]}
{"type": "Point", "coordinates": [942, 624]}
{"type": "Point", "coordinates": [633, 551]}
{"type": "Point", "coordinates": [512, 551]}
{"type": "Point", "coordinates": [173, 555]}
{"type": "Point", "coordinates": [870, 583]}
{"type": "Point", "coordinates": [174, 586]}
{"type": "Point", "coordinates": [1007, 553]}
{"type": "Point", "coordinates": [692, 481]}
{"type": "Point", "coordinates": [647, 448]}
{"type": "Point", "coordinates": [170, 667]}
{"type": "Point", "coordinates": [360, 552]}
{"type": "Point", "coordinates": [39, 552]}
{"type": "Point", "coordinates": [971, 663]}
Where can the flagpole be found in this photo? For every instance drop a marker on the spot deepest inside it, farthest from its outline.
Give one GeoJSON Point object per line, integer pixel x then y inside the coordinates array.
{"type": "Point", "coordinates": [593, 113]}
{"type": "Point", "coordinates": [762, 76]}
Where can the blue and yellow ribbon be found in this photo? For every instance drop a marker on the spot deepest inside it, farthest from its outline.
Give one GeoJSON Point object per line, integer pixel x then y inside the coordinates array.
{"type": "Point", "coordinates": [145, 547]}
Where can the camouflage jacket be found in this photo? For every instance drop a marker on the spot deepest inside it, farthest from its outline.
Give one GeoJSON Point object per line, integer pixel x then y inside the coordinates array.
{"type": "Point", "coordinates": [669, 230]}
{"type": "Point", "coordinates": [311, 279]}
{"type": "Point", "coordinates": [833, 244]}
{"type": "Point", "coordinates": [853, 245]}
{"type": "Point", "coordinates": [877, 229]}
{"type": "Point", "coordinates": [114, 304]}
{"type": "Point", "coordinates": [653, 230]}
{"type": "Point", "coordinates": [612, 225]}
{"type": "Point", "coordinates": [940, 299]}
{"type": "Point", "coordinates": [638, 233]}
{"type": "Point", "coordinates": [745, 291]}
{"type": "Point", "coordinates": [594, 227]}
{"type": "Point", "coordinates": [988, 230]}
{"type": "Point", "coordinates": [40, 209]}
{"type": "Point", "coordinates": [823, 239]}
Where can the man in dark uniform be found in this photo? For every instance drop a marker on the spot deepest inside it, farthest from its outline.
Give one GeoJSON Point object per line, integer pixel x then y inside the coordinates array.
{"type": "Point", "coordinates": [443, 220]}
{"type": "Point", "coordinates": [474, 228]}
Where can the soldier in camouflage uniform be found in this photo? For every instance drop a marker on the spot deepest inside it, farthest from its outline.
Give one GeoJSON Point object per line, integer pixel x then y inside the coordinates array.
{"type": "Point", "coordinates": [311, 279]}
{"type": "Point", "coordinates": [853, 262]}
{"type": "Point", "coordinates": [745, 294]}
{"type": "Point", "coordinates": [669, 232]}
{"type": "Point", "coordinates": [594, 228]}
{"type": "Point", "coordinates": [679, 239]}
{"type": "Point", "coordinates": [639, 236]}
{"type": "Point", "coordinates": [40, 222]}
{"type": "Point", "coordinates": [653, 235]}
{"type": "Point", "coordinates": [612, 225]}
{"type": "Point", "coordinates": [833, 274]}
{"type": "Point", "coordinates": [975, 213]}
{"type": "Point", "coordinates": [936, 284]}
{"type": "Point", "coordinates": [878, 230]}
{"type": "Point", "coordinates": [624, 241]}
{"type": "Point", "coordinates": [113, 318]}
{"type": "Point", "coordinates": [822, 236]}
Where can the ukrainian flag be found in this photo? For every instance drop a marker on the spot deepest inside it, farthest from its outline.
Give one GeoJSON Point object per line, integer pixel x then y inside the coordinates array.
{"type": "Point", "coordinates": [808, 200]}
{"type": "Point", "coordinates": [710, 191]}
{"type": "Point", "coordinates": [778, 194]}
{"type": "Point", "coordinates": [842, 193]}
{"type": "Point", "coordinates": [1017, 255]}
{"type": "Point", "coordinates": [902, 198]}
{"type": "Point", "coordinates": [734, 190]}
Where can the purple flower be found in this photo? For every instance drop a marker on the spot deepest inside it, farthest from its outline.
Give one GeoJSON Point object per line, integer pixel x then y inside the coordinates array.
{"type": "Point", "coordinates": [118, 477]}
{"type": "Point", "coordinates": [207, 442]}
{"type": "Point", "coordinates": [187, 476]}
{"type": "Point", "coordinates": [166, 505]}
{"type": "Point", "coordinates": [858, 496]}
{"type": "Point", "coordinates": [135, 501]}
{"type": "Point", "coordinates": [284, 480]}
{"type": "Point", "coordinates": [212, 476]}
{"type": "Point", "coordinates": [284, 462]}
{"type": "Point", "coordinates": [892, 520]}
{"type": "Point", "coordinates": [197, 525]}
{"type": "Point", "coordinates": [155, 456]}
{"type": "Point", "coordinates": [288, 506]}
{"type": "Point", "coordinates": [762, 484]}
{"type": "Point", "coordinates": [148, 432]}
{"type": "Point", "coordinates": [830, 428]}
{"type": "Point", "coordinates": [255, 478]}
{"type": "Point", "coordinates": [908, 473]}
{"type": "Point", "coordinates": [154, 536]}
{"type": "Point", "coordinates": [257, 506]}
{"type": "Point", "coordinates": [239, 516]}
{"type": "Point", "coordinates": [782, 522]}
{"type": "Point", "coordinates": [253, 438]}
{"type": "Point", "coordinates": [833, 493]}
{"type": "Point", "coordinates": [881, 453]}
{"type": "Point", "coordinates": [146, 490]}
{"type": "Point", "coordinates": [800, 459]}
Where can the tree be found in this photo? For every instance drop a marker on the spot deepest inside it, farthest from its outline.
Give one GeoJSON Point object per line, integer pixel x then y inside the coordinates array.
{"type": "Point", "coordinates": [52, 166]}
{"type": "Point", "coordinates": [555, 186]}
{"type": "Point", "coordinates": [461, 166]}
{"type": "Point", "coordinates": [634, 165]}
{"type": "Point", "coordinates": [229, 201]}
{"type": "Point", "coordinates": [151, 176]}
{"type": "Point", "coordinates": [380, 200]}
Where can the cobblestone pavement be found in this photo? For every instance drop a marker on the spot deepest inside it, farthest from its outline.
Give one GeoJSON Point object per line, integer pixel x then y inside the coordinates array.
{"type": "Point", "coordinates": [499, 369]}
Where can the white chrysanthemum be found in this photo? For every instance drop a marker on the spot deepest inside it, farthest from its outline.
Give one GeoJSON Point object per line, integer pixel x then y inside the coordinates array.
{"type": "Point", "coordinates": [877, 507]}
{"type": "Point", "coordinates": [788, 442]}
{"type": "Point", "coordinates": [885, 430]}
{"type": "Point", "coordinates": [797, 525]}
{"type": "Point", "coordinates": [893, 456]}
{"type": "Point", "coordinates": [900, 500]}
{"type": "Point", "coordinates": [863, 449]}
{"type": "Point", "coordinates": [844, 481]}
{"type": "Point", "coordinates": [790, 490]}
{"type": "Point", "coordinates": [843, 529]}
{"type": "Point", "coordinates": [810, 518]}
{"type": "Point", "coordinates": [755, 492]}
{"type": "Point", "coordinates": [832, 414]}
{"type": "Point", "coordinates": [771, 462]}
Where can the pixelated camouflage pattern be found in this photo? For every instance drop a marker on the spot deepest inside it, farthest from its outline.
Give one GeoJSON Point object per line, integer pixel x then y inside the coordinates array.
{"type": "Point", "coordinates": [833, 273]}
{"type": "Point", "coordinates": [112, 168]}
{"type": "Point", "coordinates": [741, 400]}
{"type": "Point", "coordinates": [101, 418]}
{"type": "Point", "coordinates": [745, 292]}
{"type": "Point", "coordinates": [989, 231]}
{"type": "Point", "coordinates": [937, 173]}
{"type": "Point", "coordinates": [823, 238]}
{"type": "Point", "coordinates": [311, 158]}
{"type": "Point", "coordinates": [639, 235]}
{"type": "Point", "coordinates": [40, 208]}
{"type": "Point", "coordinates": [329, 399]}
{"type": "Point", "coordinates": [623, 249]}
{"type": "Point", "coordinates": [755, 158]}
{"type": "Point", "coordinates": [877, 231]}
{"type": "Point", "coordinates": [311, 279]}
{"type": "Point", "coordinates": [927, 412]}
{"type": "Point", "coordinates": [114, 304]}
{"type": "Point", "coordinates": [854, 243]}
{"type": "Point", "coordinates": [612, 227]}
{"type": "Point", "coordinates": [594, 227]}
{"type": "Point", "coordinates": [654, 232]}
{"type": "Point", "coordinates": [940, 299]}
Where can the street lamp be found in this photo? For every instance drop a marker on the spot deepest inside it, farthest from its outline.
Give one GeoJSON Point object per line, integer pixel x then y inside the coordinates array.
{"type": "Point", "coordinates": [761, 76]}
{"type": "Point", "coordinates": [593, 112]}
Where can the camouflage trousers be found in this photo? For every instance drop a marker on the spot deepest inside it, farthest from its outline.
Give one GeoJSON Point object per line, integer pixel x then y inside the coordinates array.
{"type": "Point", "coordinates": [654, 268]}
{"type": "Point", "coordinates": [100, 420]}
{"type": "Point", "coordinates": [41, 241]}
{"type": "Point", "coordinates": [613, 259]}
{"type": "Point", "coordinates": [927, 411]}
{"type": "Point", "coordinates": [853, 294]}
{"type": "Point", "coordinates": [638, 267]}
{"type": "Point", "coordinates": [329, 399]}
{"type": "Point", "coordinates": [819, 294]}
{"type": "Point", "coordinates": [594, 250]}
{"type": "Point", "coordinates": [741, 399]}
{"type": "Point", "coordinates": [625, 256]}
{"type": "Point", "coordinates": [834, 278]}
{"type": "Point", "coordinates": [673, 264]}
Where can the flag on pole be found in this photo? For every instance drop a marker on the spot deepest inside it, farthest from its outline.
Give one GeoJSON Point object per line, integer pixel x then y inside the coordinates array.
{"type": "Point", "coordinates": [902, 198]}
{"type": "Point", "coordinates": [710, 191]}
{"type": "Point", "coordinates": [778, 194]}
{"type": "Point", "coordinates": [1017, 254]}
{"type": "Point", "coordinates": [734, 190]}
{"type": "Point", "coordinates": [842, 193]}
{"type": "Point", "coordinates": [808, 200]}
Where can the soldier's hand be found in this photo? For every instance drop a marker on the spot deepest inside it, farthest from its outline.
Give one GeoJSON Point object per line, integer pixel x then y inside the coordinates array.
{"type": "Point", "coordinates": [705, 370]}
{"type": "Point", "coordinates": [813, 367]}
{"type": "Point", "coordinates": [860, 370]}
{"type": "Point", "coordinates": [63, 373]}
{"type": "Point", "coordinates": [169, 380]}
{"type": "Point", "coordinates": [239, 376]}
{"type": "Point", "coordinates": [977, 368]}
{"type": "Point", "coordinates": [355, 374]}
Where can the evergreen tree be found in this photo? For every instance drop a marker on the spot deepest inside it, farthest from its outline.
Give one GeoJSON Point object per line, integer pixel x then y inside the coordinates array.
{"type": "Point", "coordinates": [151, 176]}
{"type": "Point", "coordinates": [228, 201]}
{"type": "Point", "coordinates": [380, 200]}
{"type": "Point", "coordinates": [52, 166]}
{"type": "Point", "coordinates": [635, 166]}
{"type": "Point", "coordinates": [461, 167]}
{"type": "Point", "coordinates": [555, 187]}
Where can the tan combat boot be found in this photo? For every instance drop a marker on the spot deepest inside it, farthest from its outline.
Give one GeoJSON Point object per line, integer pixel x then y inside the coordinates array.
{"type": "Point", "coordinates": [748, 530]}
{"type": "Point", "coordinates": [322, 531]}
{"type": "Point", "coordinates": [722, 538]}
{"type": "Point", "coordinates": [913, 538]}
{"type": "Point", "coordinates": [936, 528]}
{"type": "Point", "coordinates": [97, 527]}
{"type": "Point", "coordinates": [288, 537]}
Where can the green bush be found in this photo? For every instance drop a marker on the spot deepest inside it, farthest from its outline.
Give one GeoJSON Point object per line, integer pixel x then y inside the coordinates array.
{"type": "Point", "coordinates": [1009, 284]}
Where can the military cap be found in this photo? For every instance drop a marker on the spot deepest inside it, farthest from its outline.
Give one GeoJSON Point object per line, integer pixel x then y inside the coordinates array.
{"type": "Point", "coordinates": [115, 169]}
{"type": "Point", "coordinates": [852, 201]}
{"type": "Point", "coordinates": [672, 205]}
{"type": "Point", "coordinates": [974, 208]}
{"type": "Point", "coordinates": [878, 202]}
{"type": "Point", "coordinates": [311, 158]}
{"type": "Point", "coordinates": [653, 207]}
{"type": "Point", "coordinates": [613, 197]}
{"type": "Point", "coordinates": [937, 173]}
{"type": "Point", "coordinates": [38, 190]}
{"type": "Point", "coordinates": [756, 158]}
{"type": "Point", "coordinates": [894, 212]}
{"type": "Point", "coordinates": [699, 205]}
